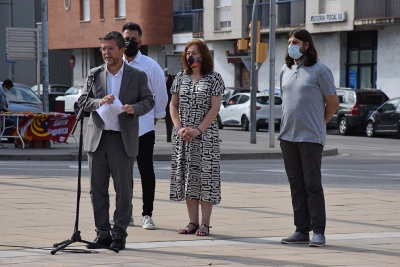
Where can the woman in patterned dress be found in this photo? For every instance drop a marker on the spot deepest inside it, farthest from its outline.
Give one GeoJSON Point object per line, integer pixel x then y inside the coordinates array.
{"type": "Point", "coordinates": [195, 168]}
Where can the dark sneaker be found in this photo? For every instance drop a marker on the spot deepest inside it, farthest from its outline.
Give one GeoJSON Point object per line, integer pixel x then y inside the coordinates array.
{"type": "Point", "coordinates": [318, 240]}
{"type": "Point", "coordinates": [297, 238]}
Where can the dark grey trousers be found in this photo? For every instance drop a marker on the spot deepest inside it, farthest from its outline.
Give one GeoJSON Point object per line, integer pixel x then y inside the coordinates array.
{"type": "Point", "coordinates": [110, 158]}
{"type": "Point", "coordinates": [303, 168]}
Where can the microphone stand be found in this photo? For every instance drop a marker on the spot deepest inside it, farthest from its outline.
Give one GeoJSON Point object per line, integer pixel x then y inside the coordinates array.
{"type": "Point", "coordinates": [76, 236]}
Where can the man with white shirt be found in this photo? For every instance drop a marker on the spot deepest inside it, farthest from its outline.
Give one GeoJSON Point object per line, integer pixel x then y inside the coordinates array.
{"type": "Point", "coordinates": [112, 147]}
{"type": "Point", "coordinates": [132, 34]}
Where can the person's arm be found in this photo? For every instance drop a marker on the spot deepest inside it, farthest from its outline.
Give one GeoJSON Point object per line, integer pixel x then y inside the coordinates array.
{"type": "Point", "coordinates": [208, 118]}
{"type": "Point", "coordinates": [332, 104]}
{"type": "Point", "coordinates": [92, 104]}
{"type": "Point", "coordinates": [159, 89]}
{"type": "Point", "coordinates": [174, 112]}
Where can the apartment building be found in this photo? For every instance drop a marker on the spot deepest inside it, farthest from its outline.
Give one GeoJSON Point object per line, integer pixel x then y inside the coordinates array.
{"type": "Point", "coordinates": [77, 25]}
{"type": "Point", "coordinates": [26, 14]}
{"type": "Point", "coordinates": [357, 39]}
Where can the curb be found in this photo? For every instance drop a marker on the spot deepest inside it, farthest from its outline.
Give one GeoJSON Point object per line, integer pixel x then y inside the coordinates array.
{"type": "Point", "coordinates": [158, 157]}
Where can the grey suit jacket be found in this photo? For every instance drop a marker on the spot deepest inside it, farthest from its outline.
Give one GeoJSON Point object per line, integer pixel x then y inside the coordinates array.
{"type": "Point", "coordinates": [134, 91]}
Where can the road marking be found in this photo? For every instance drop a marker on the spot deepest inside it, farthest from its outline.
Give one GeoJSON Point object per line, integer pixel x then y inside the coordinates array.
{"type": "Point", "coordinates": [366, 148]}
{"type": "Point", "coordinates": [387, 154]}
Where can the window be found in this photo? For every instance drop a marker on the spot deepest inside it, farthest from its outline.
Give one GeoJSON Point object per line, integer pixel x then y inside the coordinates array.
{"type": "Point", "coordinates": [101, 9]}
{"type": "Point", "coordinates": [329, 6]}
{"type": "Point", "coordinates": [188, 15]}
{"type": "Point", "coordinates": [390, 106]}
{"type": "Point", "coordinates": [85, 10]}
{"type": "Point", "coordinates": [120, 8]}
{"type": "Point", "coordinates": [361, 59]}
{"type": "Point", "coordinates": [233, 100]}
{"type": "Point", "coordinates": [223, 12]}
{"type": "Point", "coordinates": [243, 99]}
{"type": "Point", "coordinates": [67, 4]}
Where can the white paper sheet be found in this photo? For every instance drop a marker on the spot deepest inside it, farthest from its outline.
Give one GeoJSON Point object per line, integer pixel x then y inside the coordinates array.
{"type": "Point", "coordinates": [109, 113]}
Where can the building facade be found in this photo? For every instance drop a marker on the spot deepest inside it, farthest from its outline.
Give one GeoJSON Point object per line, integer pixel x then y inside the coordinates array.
{"type": "Point", "coordinates": [27, 14]}
{"type": "Point", "coordinates": [356, 39]}
{"type": "Point", "coordinates": [77, 25]}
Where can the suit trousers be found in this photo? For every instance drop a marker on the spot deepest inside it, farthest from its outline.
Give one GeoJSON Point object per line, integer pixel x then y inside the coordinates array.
{"type": "Point", "coordinates": [110, 158]}
{"type": "Point", "coordinates": [146, 169]}
{"type": "Point", "coordinates": [303, 168]}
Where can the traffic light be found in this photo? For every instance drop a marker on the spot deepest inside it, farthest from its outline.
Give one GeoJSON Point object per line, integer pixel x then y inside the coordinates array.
{"type": "Point", "coordinates": [261, 52]}
{"type": "Point", "coordinates": [261, 48]}
{"type": "Point", "coordinates": [258, 32]}
{"type": "Point", "coordinates": [243, 44]}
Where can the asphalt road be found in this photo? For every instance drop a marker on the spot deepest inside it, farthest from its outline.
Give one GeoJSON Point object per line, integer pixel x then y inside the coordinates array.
{"type": "Point", "coordinates": [365, 163]}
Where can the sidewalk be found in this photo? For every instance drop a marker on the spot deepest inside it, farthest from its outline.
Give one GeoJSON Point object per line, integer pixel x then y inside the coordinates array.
{"type": "Point", "coordinates": [362, 228]}
{"type": "Point", "coordinates": [36, 212]}
{"type": "Point", "coordinates": [235, 144]}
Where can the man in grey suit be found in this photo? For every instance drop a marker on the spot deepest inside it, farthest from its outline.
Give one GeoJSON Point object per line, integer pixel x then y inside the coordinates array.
{"type": "Point", "coordinates": [112, 148]}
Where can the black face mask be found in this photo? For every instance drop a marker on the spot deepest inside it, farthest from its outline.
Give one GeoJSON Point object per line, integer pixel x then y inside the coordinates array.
{"type": "Point", "coordinates": [131, 48]}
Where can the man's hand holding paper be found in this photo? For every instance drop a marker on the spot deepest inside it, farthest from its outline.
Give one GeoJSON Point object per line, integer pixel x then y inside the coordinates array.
{"type": "Point", "coordinates": [110, 109]}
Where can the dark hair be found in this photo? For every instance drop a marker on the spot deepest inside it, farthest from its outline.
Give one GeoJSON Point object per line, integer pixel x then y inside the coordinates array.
{"type": "Point", "coordinates": [114, 35]}
{"type": "Point", "coordinates": [207, 63]}
{"type": "Point", "coordinates": [311, 54]}
{"type": "Point", "coordinates": [8, 83]}
{"type": "Point", "coordinates": [132, 26]}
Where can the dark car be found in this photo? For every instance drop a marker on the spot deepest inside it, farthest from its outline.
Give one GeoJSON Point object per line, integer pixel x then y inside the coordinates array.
{"type": "Point", "coordinates": [21, 99]}
{"type": "Point", "coordinates": [355, 105]}
{"type": "Point", "coordinates": [53, 88]}
{"type": "Point", "coordinates": [385, 120]}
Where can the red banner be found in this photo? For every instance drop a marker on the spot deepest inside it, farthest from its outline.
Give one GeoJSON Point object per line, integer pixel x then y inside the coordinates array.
{"type": "Point", "coordinates": [52, 126]}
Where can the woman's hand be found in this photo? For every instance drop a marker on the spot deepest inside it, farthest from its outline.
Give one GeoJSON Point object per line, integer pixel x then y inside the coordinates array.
{"type": "Point", "coordinates": [188, 133]}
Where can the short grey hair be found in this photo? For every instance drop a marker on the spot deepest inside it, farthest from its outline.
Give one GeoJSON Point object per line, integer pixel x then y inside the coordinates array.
{"type": "Point", "coordinates": [114, 35]}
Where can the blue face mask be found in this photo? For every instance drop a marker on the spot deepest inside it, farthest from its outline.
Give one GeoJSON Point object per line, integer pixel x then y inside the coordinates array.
{"type": "Point", "coordinates": [294, 51]}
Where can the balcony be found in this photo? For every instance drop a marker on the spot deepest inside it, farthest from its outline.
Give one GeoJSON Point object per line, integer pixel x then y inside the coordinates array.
{"type": "Point", "coordinates": [377, 9]}
{"type": "Point", "coordinates": [289, 13]}
{"type": "Point", "coordinates": [189, 21]}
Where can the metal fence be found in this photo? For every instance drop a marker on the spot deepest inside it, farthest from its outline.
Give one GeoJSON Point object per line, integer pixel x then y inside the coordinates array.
{"type": "Point", "coordinates": [374, 9]}
{"type": "Point", "coordinates": [288, 13]}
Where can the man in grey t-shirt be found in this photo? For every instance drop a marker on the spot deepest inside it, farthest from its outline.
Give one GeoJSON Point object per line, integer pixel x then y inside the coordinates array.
{"type": "Point", "coordinates": [309, 101]}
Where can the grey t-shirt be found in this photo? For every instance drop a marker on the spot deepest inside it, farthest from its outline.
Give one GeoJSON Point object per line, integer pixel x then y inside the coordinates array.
{"type": "Point", "coordinates": [303, 90]}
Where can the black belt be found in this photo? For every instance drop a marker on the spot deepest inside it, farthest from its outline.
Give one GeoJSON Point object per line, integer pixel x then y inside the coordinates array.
{"type": "Point", "coordinates": [111, 132]}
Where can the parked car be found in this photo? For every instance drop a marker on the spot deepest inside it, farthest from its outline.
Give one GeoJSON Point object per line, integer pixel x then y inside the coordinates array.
{"type": "Point", "coordinates": [230, 91]}
{"type": "Point", "coordinates": [21, 99]}
{"type": "Point", "coordinates": [70, 98]}
{"type": "Point", "coordinates": [385, 120]}
{"type": "Point", "coordinates": [277, 91]}
{"type": "Point", "coordinates": [355, 105]}
{"type": "Point", "coordinates": [236, 111]}
{"type": "Point", "coordinates": [53, 88]}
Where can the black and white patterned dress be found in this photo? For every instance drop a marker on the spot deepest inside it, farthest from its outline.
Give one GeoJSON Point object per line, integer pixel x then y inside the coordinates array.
{"type": "Point", "coordinates": [195, 168]}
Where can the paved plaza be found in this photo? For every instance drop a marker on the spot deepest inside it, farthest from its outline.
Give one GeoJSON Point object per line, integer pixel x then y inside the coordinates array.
{"type": "Point", "coordinates": [363, 226]}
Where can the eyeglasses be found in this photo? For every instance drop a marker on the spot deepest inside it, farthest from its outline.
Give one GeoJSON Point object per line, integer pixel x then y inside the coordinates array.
{"type": "Point", "coordinates": [110, 49]}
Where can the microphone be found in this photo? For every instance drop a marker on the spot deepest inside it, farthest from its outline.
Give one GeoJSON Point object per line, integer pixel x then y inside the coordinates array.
{"type": "Point", "coordinates": [97, 71]}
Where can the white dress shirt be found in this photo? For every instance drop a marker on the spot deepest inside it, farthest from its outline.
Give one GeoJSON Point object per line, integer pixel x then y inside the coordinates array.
{"type": "Point", "coordinates": [157, 85]}
{"type": "Point", "coordinates": [113, 87]}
